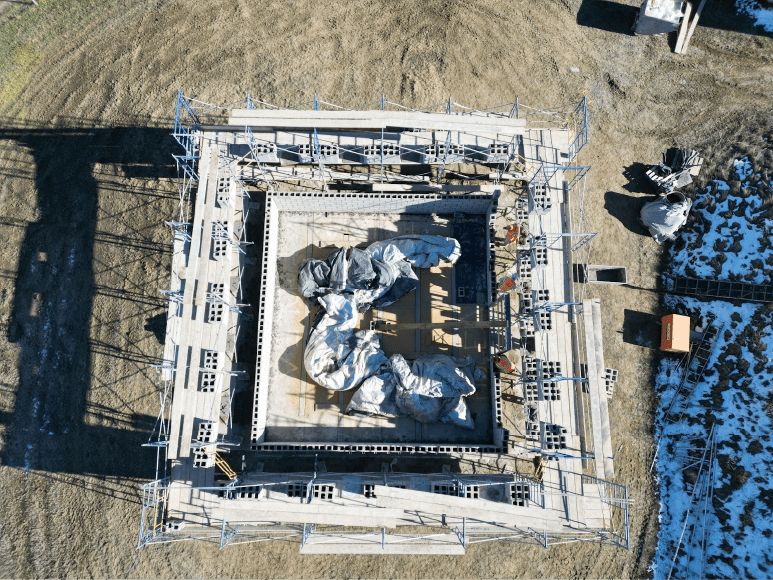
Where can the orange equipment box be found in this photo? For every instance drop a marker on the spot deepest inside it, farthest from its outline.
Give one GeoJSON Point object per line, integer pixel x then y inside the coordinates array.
{"type": "Point", "coordinates": [675, 336]}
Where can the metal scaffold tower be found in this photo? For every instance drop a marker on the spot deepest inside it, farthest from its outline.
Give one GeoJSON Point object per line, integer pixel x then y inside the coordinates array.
{"type": "Point", "coordinates": [459, 531]}
{"type": "Point", "coordinates": [578, 125]}
{"type": "Point", "coordinates": [186, 124]}
{"type": "Point", "coordinates": [321, 153]}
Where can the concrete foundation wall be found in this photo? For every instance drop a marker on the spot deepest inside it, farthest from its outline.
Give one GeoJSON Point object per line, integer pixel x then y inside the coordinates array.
{"type": "Point", "coordinates": [397, 203]}
{"type": "Point", "coordinates": [265, 320]}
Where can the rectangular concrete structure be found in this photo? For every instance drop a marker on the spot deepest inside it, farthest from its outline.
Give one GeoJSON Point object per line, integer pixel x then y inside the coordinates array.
{"type": "Point", "coordinates": [240, 440]}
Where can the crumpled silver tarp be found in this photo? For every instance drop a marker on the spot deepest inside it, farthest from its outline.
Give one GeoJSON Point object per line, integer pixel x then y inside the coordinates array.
{"type": "Point", "coordinates": [338, 358]}
{"type": "Point", "coordinates": [429, 390]}
{"type": "Point", "coordinates": [379, 275]}
{"type": "Point", "coordinates": [663, 217]}
{"type": "Point", "coordinates": [420, 251]}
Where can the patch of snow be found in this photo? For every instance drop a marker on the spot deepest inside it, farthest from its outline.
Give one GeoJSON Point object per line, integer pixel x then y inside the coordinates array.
{"type": "Point", "coordinates": [27, 461]}
{"type": "Point", "coordinates": [742, 168]}
{"type": "Point", "coordinates": [732, 395]}
{"type": "Point", "coordinates": [761, 16]}
{"type": "Point", "coordinates": [725, 239]}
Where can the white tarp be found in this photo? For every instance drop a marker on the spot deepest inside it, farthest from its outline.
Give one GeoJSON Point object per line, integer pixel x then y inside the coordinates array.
{"type": "Point", "coordinates": [336, 357]}
{"type": "Point", "coordinates": [430, 389]}
{"type": "Point", "coordinates": [663, 217]}
{"type": "Point", "coordinates": [339, 359]}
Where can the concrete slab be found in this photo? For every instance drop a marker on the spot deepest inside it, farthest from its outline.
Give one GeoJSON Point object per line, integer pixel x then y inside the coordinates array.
{"type": "Point", "coordinates": [301, 411]}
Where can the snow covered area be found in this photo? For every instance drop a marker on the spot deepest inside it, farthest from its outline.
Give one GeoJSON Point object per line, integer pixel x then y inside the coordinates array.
{"type": "Point", "coordinates": [729, 237]}
{"type": "Point", "coordinates": [735, 395]}
{"type": "Point", "coordinates": [761, 16]}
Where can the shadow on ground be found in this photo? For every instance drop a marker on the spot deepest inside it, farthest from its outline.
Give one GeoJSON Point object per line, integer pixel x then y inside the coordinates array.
{"type": "Point", "coordinates": [627, 208]}
{"type": "Point", "coordinates": [637, 179]}
{"type": "Point", "coordinates": [641, 328]}
{"type": "Point", "coordinates": [51, 425]}
{"type": "Point", "coordinates": [619, 18]}
{"type": "Point", "coordinates": [607, 16]}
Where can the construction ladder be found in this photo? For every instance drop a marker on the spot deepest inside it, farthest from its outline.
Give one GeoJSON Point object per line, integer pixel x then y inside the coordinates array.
{"type": "Point", "coordinates": [224, 467]}
{"type": "Point", "coordinates": [697, 365]}
{"type": "Point", "coordinates": [720, 289]}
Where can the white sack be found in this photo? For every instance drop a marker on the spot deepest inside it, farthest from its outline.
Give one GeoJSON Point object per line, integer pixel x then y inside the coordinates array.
{"type": "Point", "coordinates": [663, 218]}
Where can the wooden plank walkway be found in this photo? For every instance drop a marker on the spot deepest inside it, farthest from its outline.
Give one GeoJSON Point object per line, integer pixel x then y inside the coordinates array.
{"type": "Point", "coordinates": [602, 440]}
{"type": "Point", "coordinates": [440, 544]}
{"type": "Point", "coordinates": [192, 406]}
{"type": "Point", "coordinates": [363, 120]}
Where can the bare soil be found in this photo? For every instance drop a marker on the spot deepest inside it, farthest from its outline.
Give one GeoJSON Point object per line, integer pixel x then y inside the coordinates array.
{"type": "Point", "coordinates": [88, 178]}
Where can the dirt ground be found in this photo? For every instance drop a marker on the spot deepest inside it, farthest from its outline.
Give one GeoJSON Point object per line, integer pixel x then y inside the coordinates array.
{"type": "Point", "coordinates": [87, 92]}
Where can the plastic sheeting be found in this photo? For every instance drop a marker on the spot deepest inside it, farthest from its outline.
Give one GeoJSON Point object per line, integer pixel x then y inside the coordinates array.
{"type": "Point", "coordinates": [663, 217]}
{"type": "Point", "coordinates": [338, 358]}
{"type": "Point", "coordinates": [379, 275]}
{"type": "Point", "coordinates": [431, 389]}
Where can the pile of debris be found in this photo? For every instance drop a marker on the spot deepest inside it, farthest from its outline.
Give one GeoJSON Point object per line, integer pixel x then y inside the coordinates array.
{"type": "Point", "coordinates": [351, 281]}
{"type": "Point", "coordinates": [676, 172]}
{"type": "Point", "coordinates": [664, 216]}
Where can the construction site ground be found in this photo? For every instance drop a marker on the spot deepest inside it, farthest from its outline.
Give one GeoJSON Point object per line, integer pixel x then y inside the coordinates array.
{"type": "Point", "coordinates": [86, 95]}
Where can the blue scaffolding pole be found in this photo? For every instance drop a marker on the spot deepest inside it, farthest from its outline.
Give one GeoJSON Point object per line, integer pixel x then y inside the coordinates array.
{"type": "Point", "coordinates": [317, 150]}
{"type": "Point", "coordinates": [579, 121]}
{"type": "Point", "coordinates": [185, 124]}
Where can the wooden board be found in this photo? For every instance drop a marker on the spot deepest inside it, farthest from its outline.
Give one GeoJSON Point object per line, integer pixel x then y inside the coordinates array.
{"type": "Point", "coordinates": [609, 470]}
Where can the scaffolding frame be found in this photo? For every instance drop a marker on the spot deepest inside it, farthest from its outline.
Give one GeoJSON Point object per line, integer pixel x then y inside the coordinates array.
{"type": "Point", "coordinates": [578, 124]}
{"type": "Point", "coordinates": [190, 115]}
{"type": "Point", "coordinates": [154, 528]}
{"type": "Point", "coordinates": [696, 452]}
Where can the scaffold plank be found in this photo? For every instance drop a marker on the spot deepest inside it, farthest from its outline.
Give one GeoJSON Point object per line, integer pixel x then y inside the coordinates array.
{"type": "Point", "coordinates": [609, 469]}
{"type": "Point", "coordinates": [442, 544]}
{"type": "Point", "coordinates": [594, 387]}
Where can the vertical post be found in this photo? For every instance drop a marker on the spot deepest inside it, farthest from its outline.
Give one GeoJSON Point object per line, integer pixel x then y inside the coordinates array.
{"type": "Point", "coordinates": [464, 532]}
{"type": "Point", "coordinates": [383, 538]}
{"type": "Point", "coordinates": [514, 109]}
{"type": "Point", "coordinates": [448, 107]}
{"type": "Point", "coordinates": [383, 102]}
{"type": "Point", "coordinates": [317, 150]}
{"type": "Point", "coordinates": [222, 535]}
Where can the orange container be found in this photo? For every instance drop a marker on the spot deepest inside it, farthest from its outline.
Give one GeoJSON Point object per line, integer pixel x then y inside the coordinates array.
{"type": "Point", "coordinates": [675, 335]}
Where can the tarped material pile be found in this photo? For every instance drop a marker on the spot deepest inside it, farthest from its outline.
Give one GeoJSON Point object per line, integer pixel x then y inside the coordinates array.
{"type": "Point", "coordinates": [379, 275]}
{"type": "Point", "coordinates": [339, 359]}
{"type": "Point", "coordinates": [429, 390]}
{"type": "Point", "coordinates": [664, 216]}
